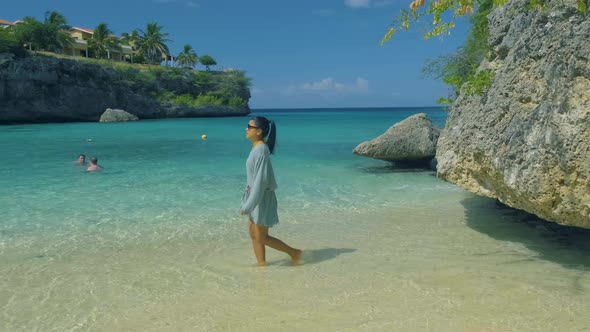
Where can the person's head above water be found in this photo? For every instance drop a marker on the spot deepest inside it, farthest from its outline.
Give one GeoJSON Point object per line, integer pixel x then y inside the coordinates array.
{"type": "Point", "coordinates": [82, 158]}
{"type": "Point", "coordinates": [94, 160]}
{"type": "Point", "coordinates": [261, 128]}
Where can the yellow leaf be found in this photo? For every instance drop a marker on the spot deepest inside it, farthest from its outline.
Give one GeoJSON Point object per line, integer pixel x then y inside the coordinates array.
{"type": "Point", "coordinates": [387, 36]}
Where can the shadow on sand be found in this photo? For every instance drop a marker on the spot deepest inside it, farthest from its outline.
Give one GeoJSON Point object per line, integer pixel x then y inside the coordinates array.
{"type": "Point", "coordinates": [313, 256]}
{"type": "Point", "coordinates": [564, 245]}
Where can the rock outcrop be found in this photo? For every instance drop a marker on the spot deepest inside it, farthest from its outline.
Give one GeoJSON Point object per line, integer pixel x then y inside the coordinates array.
{"type": "Point", "coordinates": [39, 89]}
{"type": "Point", "coordinates": [411, 140]}
{"type": "Point", "coordinates": [115, 115]}
{"type": "Point", "coordinates": [526, 141]}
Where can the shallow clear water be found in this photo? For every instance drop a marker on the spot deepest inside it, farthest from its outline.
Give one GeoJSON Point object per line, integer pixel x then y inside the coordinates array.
{"type": "Point", "coordinates": [156, 242]}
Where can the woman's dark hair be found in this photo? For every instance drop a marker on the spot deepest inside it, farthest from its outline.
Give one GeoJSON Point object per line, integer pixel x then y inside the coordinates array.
{"type": "Point", "coordinates": [269, 129]}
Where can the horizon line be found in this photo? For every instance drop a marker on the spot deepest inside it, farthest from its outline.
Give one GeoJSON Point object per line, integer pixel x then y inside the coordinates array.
{"type": "Point", "coordinates": [364, 107]}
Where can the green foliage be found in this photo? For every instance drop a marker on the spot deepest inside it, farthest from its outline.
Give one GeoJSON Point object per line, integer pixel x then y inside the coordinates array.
{"type": "Point", "coordinates": [188, 100]}
{"type": "Point", "coordinates": [9, 43]}
{"type": "Point", "coordinates": [479, 82]}
{"type": "Point", "coordinates": [207, 61]}
{"type": "Point", "coordinates": [583, 5]}
{"type": "Point", "coordinates": [204, 88]}
{"type": "Point", "coordinates": [102, 42]}
{"type": "Point", "coordinates": [49, 35]}
{"type": "Point", "coordinates": [184, 100]}
{"type": "Point", "coordinates": [208, 99]}
{"type": "Point", "coordinates": [146, 76]}
{"type": "Point", "coordinates": [53, 36]}
{"type": "Point", "coordinates": [444, 101]}
{"type": "Point", "coordinates": [203, 81]}
{"type": "Point", "coordinates": [536, 4]}
{"type": "Point", "coordinates": [237, 102]}
{"type": "Point", "coordinates": [28, 32]}
{"type": "Point", "coordinates": [233, 83]}
{"type": "Point", "coordinates": [459, 68]}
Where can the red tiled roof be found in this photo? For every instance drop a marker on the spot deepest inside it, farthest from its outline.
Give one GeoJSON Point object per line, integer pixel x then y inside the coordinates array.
{"type": "Point", "coordinates": [5, 22]}
{"type": "Point", "coordinates": [90, 31]}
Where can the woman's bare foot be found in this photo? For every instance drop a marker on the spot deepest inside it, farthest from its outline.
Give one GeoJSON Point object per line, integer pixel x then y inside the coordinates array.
{"type": "Point", "coordinates": [261, 264]}
{"type": "Point", "coordinates": [296, 258]}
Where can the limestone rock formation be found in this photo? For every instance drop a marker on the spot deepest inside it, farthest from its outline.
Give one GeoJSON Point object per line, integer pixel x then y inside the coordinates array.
{"type": "Point", "coordinates": [39, 89]}
{"type": "Point", "coordinates": [115, 115]}
{"type": "Point", "coordinates": [413, 139]}
{"type": "Point", "coordinates": [526, 141]}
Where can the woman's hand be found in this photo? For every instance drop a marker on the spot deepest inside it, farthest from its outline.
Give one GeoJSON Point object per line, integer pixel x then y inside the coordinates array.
{"type": "Point", "coordinates": [243, 213]}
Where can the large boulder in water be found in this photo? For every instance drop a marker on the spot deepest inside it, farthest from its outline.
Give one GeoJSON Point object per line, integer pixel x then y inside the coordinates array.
{"type": "Point", "coordinates": [115, 115]}
{"type": "Point", "coordinates": [411, 140]}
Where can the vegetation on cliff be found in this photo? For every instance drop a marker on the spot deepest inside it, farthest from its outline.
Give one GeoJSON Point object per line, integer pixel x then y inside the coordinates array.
{"type": "Point", "coordinates": [170, 85]}
{"type": "Point", "coordinates": [461, 68]}
{"type": "Point", "coordinates": [181, 85]}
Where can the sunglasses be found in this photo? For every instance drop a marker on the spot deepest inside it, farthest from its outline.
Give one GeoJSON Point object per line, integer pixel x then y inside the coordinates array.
{"type": "Point", "coordinates": [252, 127]}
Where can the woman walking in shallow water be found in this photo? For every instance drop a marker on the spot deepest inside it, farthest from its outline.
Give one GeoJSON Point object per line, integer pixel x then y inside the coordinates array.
{"type": "Point", "coordinates": [259, 202]}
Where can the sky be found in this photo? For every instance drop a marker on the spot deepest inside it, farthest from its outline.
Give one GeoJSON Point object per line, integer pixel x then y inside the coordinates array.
{"type": "Point", "coordinates": [299, 54]}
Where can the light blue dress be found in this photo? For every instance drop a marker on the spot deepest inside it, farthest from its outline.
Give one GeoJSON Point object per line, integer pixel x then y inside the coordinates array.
{"type": "Point", "coordinates": [259, 200]}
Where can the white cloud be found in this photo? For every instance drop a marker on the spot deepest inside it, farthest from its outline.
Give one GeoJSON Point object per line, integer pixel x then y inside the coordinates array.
{"type": "Point", "coordinates": [368, 3]}
{"type": "Point", "coordinates": [328, 86]}
{"type": "Point", "coordinates": [383, 3]}
{"type": "Point", "coordinates": [358, 3]}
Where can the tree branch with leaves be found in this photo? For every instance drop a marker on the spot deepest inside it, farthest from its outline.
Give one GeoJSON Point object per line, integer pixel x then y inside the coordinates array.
{"type": "Point", "coordinates": [438, 10]}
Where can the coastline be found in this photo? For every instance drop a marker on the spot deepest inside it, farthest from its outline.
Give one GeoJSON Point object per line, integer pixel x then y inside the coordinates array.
{"type": "Point", "coordinates": [45, 89]}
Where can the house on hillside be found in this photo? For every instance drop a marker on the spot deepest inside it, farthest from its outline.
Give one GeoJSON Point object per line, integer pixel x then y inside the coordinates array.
{"type": "Point", "coordinates": [81, 41]}
{"type": "Point", "coordinates": [79, 47]}
{"type": "Point", "coordinates": [5, 23]}
{"type": "Point", "coordinates": [80, 37]}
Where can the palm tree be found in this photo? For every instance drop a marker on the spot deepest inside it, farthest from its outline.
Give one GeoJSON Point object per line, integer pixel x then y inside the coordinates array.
{"type": "Point", "coordinates": [152, 43]}
{"type": "Point", "coordinates": [103, 41]}
{"type": "Point", "coordinates": [57, 19]}
{"type": "Point", "coordinates": [133, 41]}
{"type": "Point", "coordinates": [54, 37]}
{"type": "Point", "coordinates": [187, 58]}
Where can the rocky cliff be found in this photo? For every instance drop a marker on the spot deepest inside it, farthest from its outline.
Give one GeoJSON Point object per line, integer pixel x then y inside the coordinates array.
{"type": "Point", "coordinates": [46, 89]}
{"type": "Point", "coordinates": [526, 141]}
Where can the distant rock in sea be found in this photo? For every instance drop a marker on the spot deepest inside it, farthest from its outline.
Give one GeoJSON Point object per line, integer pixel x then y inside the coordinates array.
{"type": "Point", "coordinates": [115, 115]}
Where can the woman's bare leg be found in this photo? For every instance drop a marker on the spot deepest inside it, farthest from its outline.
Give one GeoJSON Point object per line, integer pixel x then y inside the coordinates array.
{"type": "Point", "coordinates": [261, 236]}
{"type": "Point", "coordinates": [259, 250]}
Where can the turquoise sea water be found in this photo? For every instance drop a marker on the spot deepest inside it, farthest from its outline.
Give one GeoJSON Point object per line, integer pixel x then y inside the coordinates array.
{"type": "Point", "coordinates": [156, 242]}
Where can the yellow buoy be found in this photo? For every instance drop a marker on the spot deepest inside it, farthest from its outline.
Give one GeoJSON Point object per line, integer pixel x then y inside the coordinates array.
{"type": "Point", "coordinates": [203, 137]}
